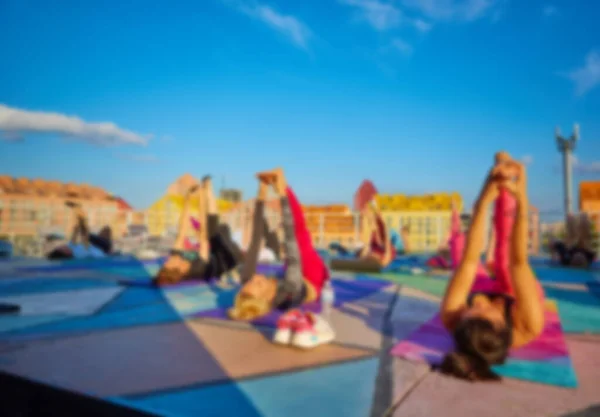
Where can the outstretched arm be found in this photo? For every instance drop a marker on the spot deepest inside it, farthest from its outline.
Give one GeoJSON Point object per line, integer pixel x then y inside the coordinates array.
{"type": "Point", "coordinates": [529, 302]}
{"type": "Point", "coordinates": [461, 282]}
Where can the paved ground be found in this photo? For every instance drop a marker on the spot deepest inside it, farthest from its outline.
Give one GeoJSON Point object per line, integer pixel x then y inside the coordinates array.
{"type": "Point", "coordinates": [171, 353]}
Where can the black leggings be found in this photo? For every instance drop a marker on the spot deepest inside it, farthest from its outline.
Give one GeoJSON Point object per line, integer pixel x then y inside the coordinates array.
{"type": "Point", "coordinates": [224, 252]}
{"type": "Point", "coordinates": [105, 245]}
{"type": "Point", "coordinates": [342, 250]}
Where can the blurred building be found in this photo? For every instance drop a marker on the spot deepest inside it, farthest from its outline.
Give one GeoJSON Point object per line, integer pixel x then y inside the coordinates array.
{"type": "Point", "coordinates": [331, 223]}
{"type": "Point", "coordinates": [162, 217]}
{"type": "Point", "coordinates": [427, 216]}
{"type": "Point", "coordinates": [29, 207]}
{"type": "Point", "coordinates": [231, 195]}
{"type": "Point", "coordinates": [589, 200]}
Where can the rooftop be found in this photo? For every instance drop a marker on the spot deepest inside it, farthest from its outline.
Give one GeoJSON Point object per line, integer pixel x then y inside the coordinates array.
{"type": "Point", "coordinates": [43, 188]}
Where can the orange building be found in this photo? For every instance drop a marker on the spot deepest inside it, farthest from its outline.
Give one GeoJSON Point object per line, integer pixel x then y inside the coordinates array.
{"type": "Point", "coordinates": [29, 207]}
{"type": "Point", "coordinates": [331, 223]}
{"type": "Point", "coordinates": [589, 200]}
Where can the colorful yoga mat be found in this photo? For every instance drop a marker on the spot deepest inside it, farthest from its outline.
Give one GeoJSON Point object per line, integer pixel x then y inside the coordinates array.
{"type": "Point", "coordinates": [545, 360]}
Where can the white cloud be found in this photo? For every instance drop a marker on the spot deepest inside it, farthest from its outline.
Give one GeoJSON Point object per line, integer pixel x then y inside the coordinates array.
{"type": "Point", "coordinates": [422, 26]}
{"type": "Point", "coordinates": [459, 10]}
{"type": "Point", "coordinates": [587, 77]}
{"type": "Point", "coordinates": [16, 123]}
{"type": "Point", "coordinates": [288, 25]}
{"type": "Point", "coordinates": [549, 11]}
{"type": "Point", "coordinates": [402, 46]}
{"type": "Point", "coordinates": [381, 16]}
{"type": "Point", "coordinates": [527, 159]}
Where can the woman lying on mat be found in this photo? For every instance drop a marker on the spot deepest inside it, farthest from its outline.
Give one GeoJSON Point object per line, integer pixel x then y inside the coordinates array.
{"type": "Point", "coordinates": [217, 254]}
{"type": "Point", "coordinates": [83, 244]}
{"type": "Point", "coordinates": [377, 250]}
{"type": "Point", "coordinates": [489, 317]}
{"type": "Point", "coordinates": [304, 277]}
{"type": "Point", "coordinates": [577, 251]}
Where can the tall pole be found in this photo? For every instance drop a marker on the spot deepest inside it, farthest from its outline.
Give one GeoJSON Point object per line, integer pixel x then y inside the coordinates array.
{"type": "Point", "coordinates": [566, 146]}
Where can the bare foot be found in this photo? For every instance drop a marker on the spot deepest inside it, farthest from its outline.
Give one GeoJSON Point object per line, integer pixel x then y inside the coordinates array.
{"type": "Point", "coordinates": [194, 188]}
{"type": "Point", "coordinates": [206, 181]}
{"type": "Point", "coordinates": [274, 178]}
{"type": "Point", "coordinates": [267, 177]}
{"type": "Point", "coordinates": [76, 208]}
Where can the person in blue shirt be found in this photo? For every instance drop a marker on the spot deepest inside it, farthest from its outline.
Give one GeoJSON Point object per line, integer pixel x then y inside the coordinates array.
{"type": "Point", "coordinates": [83, 244]}
{"type": "Point", "coordinates": [397, 242]}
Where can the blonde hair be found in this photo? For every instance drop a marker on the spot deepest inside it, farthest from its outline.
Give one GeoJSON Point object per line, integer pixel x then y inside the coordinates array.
{"type": "Point", "coordinates": [248, 308]}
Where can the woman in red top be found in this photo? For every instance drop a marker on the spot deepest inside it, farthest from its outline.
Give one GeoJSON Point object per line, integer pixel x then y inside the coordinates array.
{"type": "Point", "coordinates": [305, 271]}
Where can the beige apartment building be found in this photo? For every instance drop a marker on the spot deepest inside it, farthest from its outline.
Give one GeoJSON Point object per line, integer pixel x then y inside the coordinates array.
{"type": "Point", "coordinates": [29, 207]}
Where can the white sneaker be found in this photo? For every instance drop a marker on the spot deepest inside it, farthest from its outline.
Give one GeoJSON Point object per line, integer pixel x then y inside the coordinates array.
{"type": "Point", "coordinates": [285, 327]}
{"type": "Point", "coordinates": [312, 330]}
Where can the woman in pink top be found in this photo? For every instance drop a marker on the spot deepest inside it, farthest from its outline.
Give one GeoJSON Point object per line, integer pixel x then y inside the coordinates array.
{"type": "Point", "coordinates": [489, 317]}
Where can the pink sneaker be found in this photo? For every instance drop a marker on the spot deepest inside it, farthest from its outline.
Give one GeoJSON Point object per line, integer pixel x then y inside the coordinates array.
{"type": "Point", "coordinates": [312, 330]}
{"type": "Point", "coordinates": [285, 327]}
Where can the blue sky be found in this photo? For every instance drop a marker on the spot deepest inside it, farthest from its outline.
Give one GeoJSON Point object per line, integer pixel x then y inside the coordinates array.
{"type": "Point", "coordinates": [416, 95]}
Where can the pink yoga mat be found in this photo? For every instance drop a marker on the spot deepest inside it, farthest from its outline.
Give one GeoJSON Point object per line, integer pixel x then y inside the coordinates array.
{"type": "Point", "coordinates": [545, 360]}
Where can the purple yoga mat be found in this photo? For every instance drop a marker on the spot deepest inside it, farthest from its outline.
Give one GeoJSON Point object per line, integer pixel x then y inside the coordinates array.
{"type": "Point", "coordinates": [345, 292]}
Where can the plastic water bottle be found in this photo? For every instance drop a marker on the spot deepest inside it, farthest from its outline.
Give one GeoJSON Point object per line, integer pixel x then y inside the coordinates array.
{"type": "Point", "coordinates": [327, 300]}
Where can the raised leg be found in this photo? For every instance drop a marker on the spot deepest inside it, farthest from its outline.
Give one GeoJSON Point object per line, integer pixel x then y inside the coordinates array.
{"type": "Point", "coordinates": [184, 220]}
{"type": "Point", "coordinates": [251, 258]}
{"type": "Point", "coordinates": [81, 231]}
{"type": "Point", "coordinates": [303, 263]}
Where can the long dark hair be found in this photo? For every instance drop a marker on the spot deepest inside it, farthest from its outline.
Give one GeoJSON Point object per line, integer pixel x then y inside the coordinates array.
{"type": "Point", "coordinates": [479, 346]}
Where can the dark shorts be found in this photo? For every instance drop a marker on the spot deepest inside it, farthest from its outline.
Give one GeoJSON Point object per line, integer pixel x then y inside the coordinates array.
{"type": "Point", "coordinates": [65, 252]}
{"type": "Point", "coordinates": [60, 253]}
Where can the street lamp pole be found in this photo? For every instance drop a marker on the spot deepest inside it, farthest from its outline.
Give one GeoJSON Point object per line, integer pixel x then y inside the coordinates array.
{"type": "Point", "coordinates": [566, 146]}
